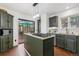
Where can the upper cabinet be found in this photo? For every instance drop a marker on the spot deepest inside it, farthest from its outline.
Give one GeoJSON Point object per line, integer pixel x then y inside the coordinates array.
{"type": "Point", "coordinates": [10, 21]}
{"type": "Point", "coordinates": [3, 19]}
{"type": "Point", "coordinates": [53, 21]}
{"type": "Point", "coordinates": [6, 20]}
{"type": "Point", "coordinates": [74, 21]}
{"type": "Point", "coordinates": [70, 21]}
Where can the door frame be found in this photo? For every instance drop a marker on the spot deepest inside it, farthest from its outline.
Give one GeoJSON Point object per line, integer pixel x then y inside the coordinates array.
{"type": "Point", "coordinates": [29, 21]}
{"type": "Point", "coordinates": [25, 20]}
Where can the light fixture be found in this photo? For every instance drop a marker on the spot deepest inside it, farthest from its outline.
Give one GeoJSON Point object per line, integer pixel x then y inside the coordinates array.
{"type": "Point", "coordinates": [35, 4]}
{"type": "Point", "coordinates": [36, 14]}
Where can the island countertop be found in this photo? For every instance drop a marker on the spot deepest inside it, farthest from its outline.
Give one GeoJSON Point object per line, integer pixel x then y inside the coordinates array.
{"type": "Point", "coordinates": [68, 34]}
{"type": "Point", "coordinates": [39, 37]}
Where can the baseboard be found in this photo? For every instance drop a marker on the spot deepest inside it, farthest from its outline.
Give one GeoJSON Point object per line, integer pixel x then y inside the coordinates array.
{"type": "Point", "coordinates": [27, 52]}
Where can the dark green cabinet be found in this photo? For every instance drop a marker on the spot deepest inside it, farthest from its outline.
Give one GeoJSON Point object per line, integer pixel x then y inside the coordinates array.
{"type": "Point", "coordinates": [77, 45]}
{"type": "Point", "coordinates": [10, 21]}
{"type": "Point", "coordinates": [6, 27]}
{"type": "Point", "coordinates": [10, 41]}
{"type": "Point", "coordinates": [39, 47]}
{"type": "Point", "coordinates": [4, 43]}
{"type": "Point", "coordinates": [71, 43]}
{"type": "Point", "coordinates": [3, 19]}
{"type": "Point", "coordinates": [6, 20]}
{"type": "Point", "coordinates": [48, 47]}
{"type": "Point", "coordinates": [60, 41]}
{"type": "Point", "coordinates": [67, 42]}
{"type": "Point", "coordinates": [34, 46]}
{"type": "Point", "coordinates": [53, 21]}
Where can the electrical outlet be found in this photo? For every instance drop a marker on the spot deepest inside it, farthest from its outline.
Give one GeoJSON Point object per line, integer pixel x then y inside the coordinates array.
{"type": "Point", "coordinates": [15, 40]}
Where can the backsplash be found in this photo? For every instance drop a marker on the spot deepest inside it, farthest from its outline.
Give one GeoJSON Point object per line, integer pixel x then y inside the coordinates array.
{"type": "Point", "coordinates": [74, 31]}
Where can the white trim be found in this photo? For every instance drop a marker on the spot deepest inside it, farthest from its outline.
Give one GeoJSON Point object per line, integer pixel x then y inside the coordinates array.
{"type": "Point", "coordinates": [27, 52]}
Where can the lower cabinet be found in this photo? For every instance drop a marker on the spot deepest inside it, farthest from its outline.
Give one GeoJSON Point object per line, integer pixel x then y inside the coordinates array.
{"type": "Point", "coordinates": [6, 42]}
{"type": "Point", "coordinates": [39, 47]}
{"type": "Point", "coordinates": [10, 41]}
{"type": "Point", "coordinates": [77, 45]}
{"type": "Point", "coordinates": [71, 43]}
{"type": "Point", "coordinates": [48, 45]}
{"type": "Point", "coordinates": [67, 42]}
{"type": "Point", "coordinates": [60, 41]}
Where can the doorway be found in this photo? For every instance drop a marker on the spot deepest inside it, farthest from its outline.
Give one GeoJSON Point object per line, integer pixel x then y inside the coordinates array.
{"type": "Point", "coordinates": [25, 26]}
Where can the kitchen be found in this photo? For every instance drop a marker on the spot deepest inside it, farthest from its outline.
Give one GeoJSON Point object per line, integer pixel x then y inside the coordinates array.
{"type": "Point", "coordinates": [61, 27]}
{"type": "Point", "coordinates": [54, 31]}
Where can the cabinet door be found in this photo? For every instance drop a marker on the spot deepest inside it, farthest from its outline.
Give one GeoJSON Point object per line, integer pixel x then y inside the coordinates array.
{"type": "Point", "coordinates": [71, 44]}
{"type": "Point", "coordinates": [60, 41]}
{"type": "Point", "coordinates": [53, 21]}
{"type": "Point", "coordinates": [10, 21]}
{"type": "Point", "coordinates": [48, 47]}
{"type": "Point", "coordinates": [4, 23]}
{"type": "Point", "coordinates": [4, 43]}
{"type": "Point", "coordinates": [77, 46]}
{"type": "Point", "coordinates": [10, 41]}
{"type": "Point", "coordinates": [0, 43]}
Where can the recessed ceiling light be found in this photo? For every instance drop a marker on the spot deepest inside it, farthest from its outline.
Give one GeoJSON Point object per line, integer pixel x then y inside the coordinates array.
{"type": "Point", "coordinates": [67, 7]}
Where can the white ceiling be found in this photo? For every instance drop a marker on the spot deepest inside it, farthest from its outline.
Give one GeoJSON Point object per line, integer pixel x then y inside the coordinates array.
{"type": "Point", "coordinates": [27, 8]}
{"type": "Point", "coordinates": [57, 7]}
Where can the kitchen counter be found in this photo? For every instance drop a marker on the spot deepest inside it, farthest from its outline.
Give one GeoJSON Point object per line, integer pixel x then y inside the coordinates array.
{"type": "Point", "coordinates": [68, 34]}
{"type": "Point", "coordinates": [39, 44]}
{"type": "Point", "coordinates": [40, 37]}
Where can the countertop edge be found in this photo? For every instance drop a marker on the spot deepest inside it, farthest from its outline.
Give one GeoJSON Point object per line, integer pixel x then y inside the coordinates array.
{"type": "Point", "coordinates": [39, 37]}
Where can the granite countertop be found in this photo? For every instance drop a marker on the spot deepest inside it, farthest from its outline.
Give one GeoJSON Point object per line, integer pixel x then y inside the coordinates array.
{"type": "Point", "coordinates": [40, 37]}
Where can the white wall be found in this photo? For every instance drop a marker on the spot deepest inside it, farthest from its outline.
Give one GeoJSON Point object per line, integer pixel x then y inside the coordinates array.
{"type": "Point", "coordinates": [15, 23]}
{"type": "Point", "coordinates": [44, 23]}
{"type": "Point", "coordinates": [67, 13]}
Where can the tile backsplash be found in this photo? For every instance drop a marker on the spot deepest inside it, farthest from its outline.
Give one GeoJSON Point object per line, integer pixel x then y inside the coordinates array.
{"type": "Point", "coordinates": [70, 31]}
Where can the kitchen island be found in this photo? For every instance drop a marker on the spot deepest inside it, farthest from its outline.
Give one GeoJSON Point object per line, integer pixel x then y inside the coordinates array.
{"type": "Point", "coordinates": [38, 45]}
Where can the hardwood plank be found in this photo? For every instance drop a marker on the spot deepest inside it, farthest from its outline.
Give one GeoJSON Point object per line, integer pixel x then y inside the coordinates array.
{"type": "Point", "coordinates": [61, 52]}
{"type": "Point", "coordinates": [16, 51]}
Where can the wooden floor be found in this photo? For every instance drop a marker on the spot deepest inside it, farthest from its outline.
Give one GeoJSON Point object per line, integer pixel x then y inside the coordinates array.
{"type": "Point", "coordinates": [19, 51]}
{"type": "Point", "coordinates": [61, 52]}
{"type": "Point", "coordinates": [16, 51]}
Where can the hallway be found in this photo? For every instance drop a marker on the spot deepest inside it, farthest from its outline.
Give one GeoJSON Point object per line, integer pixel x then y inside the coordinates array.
{"type": "Point", "coordinates": [16, 51]}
